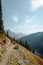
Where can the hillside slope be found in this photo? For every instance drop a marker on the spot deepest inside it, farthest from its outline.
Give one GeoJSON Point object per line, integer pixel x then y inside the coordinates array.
{"type": "Point", "coordinates": [18, 55]}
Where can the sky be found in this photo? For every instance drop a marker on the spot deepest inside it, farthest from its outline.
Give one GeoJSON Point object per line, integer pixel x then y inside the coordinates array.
{"type": "Point", "coordinates": [23, 16]}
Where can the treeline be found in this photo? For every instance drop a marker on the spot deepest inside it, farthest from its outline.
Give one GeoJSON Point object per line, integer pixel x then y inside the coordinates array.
{"type": "Point", "coordinates": [26, 45]}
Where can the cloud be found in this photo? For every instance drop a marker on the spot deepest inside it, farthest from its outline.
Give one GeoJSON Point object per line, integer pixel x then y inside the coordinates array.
{"type": "Point", "coordinates": [25, 28]}
{"type": "Point", "coordinates": [27, 20]}
{"type": "Point", "coordinates": [15, 19]}
{"type": "Point", "coordinates": [35, 4]}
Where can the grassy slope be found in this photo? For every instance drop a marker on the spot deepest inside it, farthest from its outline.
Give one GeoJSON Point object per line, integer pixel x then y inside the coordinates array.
{"type": "Point", "coordinates": [37, 58]}
{"type": "Point", "coordinates": [26, 52]}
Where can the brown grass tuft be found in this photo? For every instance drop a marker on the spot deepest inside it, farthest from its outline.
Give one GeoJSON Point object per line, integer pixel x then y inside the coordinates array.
{"type": "Point", "coordinates": [4, 38]}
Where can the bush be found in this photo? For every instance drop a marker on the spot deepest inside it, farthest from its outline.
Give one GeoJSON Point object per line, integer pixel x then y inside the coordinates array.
{"type": "Point", "coordinates": [16, 47]}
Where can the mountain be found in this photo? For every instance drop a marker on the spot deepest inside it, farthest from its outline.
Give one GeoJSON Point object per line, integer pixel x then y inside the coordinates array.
{"type": "Point", "coordinates": [20, 35]}
{"type": "Point", "coordinates": [35, 40]}
{"type": "Point", "coordinates": [14, 35]}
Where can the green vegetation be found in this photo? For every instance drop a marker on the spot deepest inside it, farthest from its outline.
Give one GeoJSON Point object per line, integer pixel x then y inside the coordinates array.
{"type": "Point", "coordinates": [16, 47]}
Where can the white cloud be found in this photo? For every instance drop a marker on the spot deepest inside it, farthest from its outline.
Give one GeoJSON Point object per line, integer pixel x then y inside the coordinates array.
{"type": "Point", "coordinates": [15, 19]}
{"type": "Point", "coordinates": [27, 20]}
{"type": "Point", "coordinates": [35, 4]}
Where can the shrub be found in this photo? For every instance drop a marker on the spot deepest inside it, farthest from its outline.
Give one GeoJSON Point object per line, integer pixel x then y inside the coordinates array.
{"type": "Point", "coordinates": [16, 47]}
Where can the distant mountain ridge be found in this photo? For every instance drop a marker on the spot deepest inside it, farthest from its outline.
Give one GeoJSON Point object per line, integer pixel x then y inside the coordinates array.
{"type": "Point", "coordinates": [14, 35]}
{"type": "Point", "coordinates": [35, 40]}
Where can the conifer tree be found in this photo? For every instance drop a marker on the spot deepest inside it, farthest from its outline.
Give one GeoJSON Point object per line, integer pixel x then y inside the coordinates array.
{"type": "Point", "coordinates": [1, 21]}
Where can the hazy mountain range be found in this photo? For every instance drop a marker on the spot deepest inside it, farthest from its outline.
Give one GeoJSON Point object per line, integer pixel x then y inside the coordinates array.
{"type": "Point", "coordinates": [14, 35]}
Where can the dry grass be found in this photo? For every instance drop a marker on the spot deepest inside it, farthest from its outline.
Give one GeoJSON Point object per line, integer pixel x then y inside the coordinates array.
{"type": "Point", "coordinates": [33, 57]}
{"type": "Point", "coordinates": [3, 37]}
{"type": "Point", "coordinates": [13, 60]}
{"type": "Point", "coordinates": [39, 59]}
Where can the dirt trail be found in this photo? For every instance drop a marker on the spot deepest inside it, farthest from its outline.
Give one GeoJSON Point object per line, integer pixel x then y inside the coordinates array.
{"type": "Point", "coordinates": [6, 55]}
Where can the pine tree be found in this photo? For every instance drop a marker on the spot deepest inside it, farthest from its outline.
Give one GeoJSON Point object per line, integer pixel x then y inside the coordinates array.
{"type": "Point", "coordinates": [20, 42]}
{"type": "Point", "coordinates": [25, 44]}
{"type": "Point", "coordinates": [1, 21]}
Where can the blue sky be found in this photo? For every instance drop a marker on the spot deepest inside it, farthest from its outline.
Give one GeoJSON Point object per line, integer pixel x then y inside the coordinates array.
{"type": "Point", "coordinates": [24, 16]}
